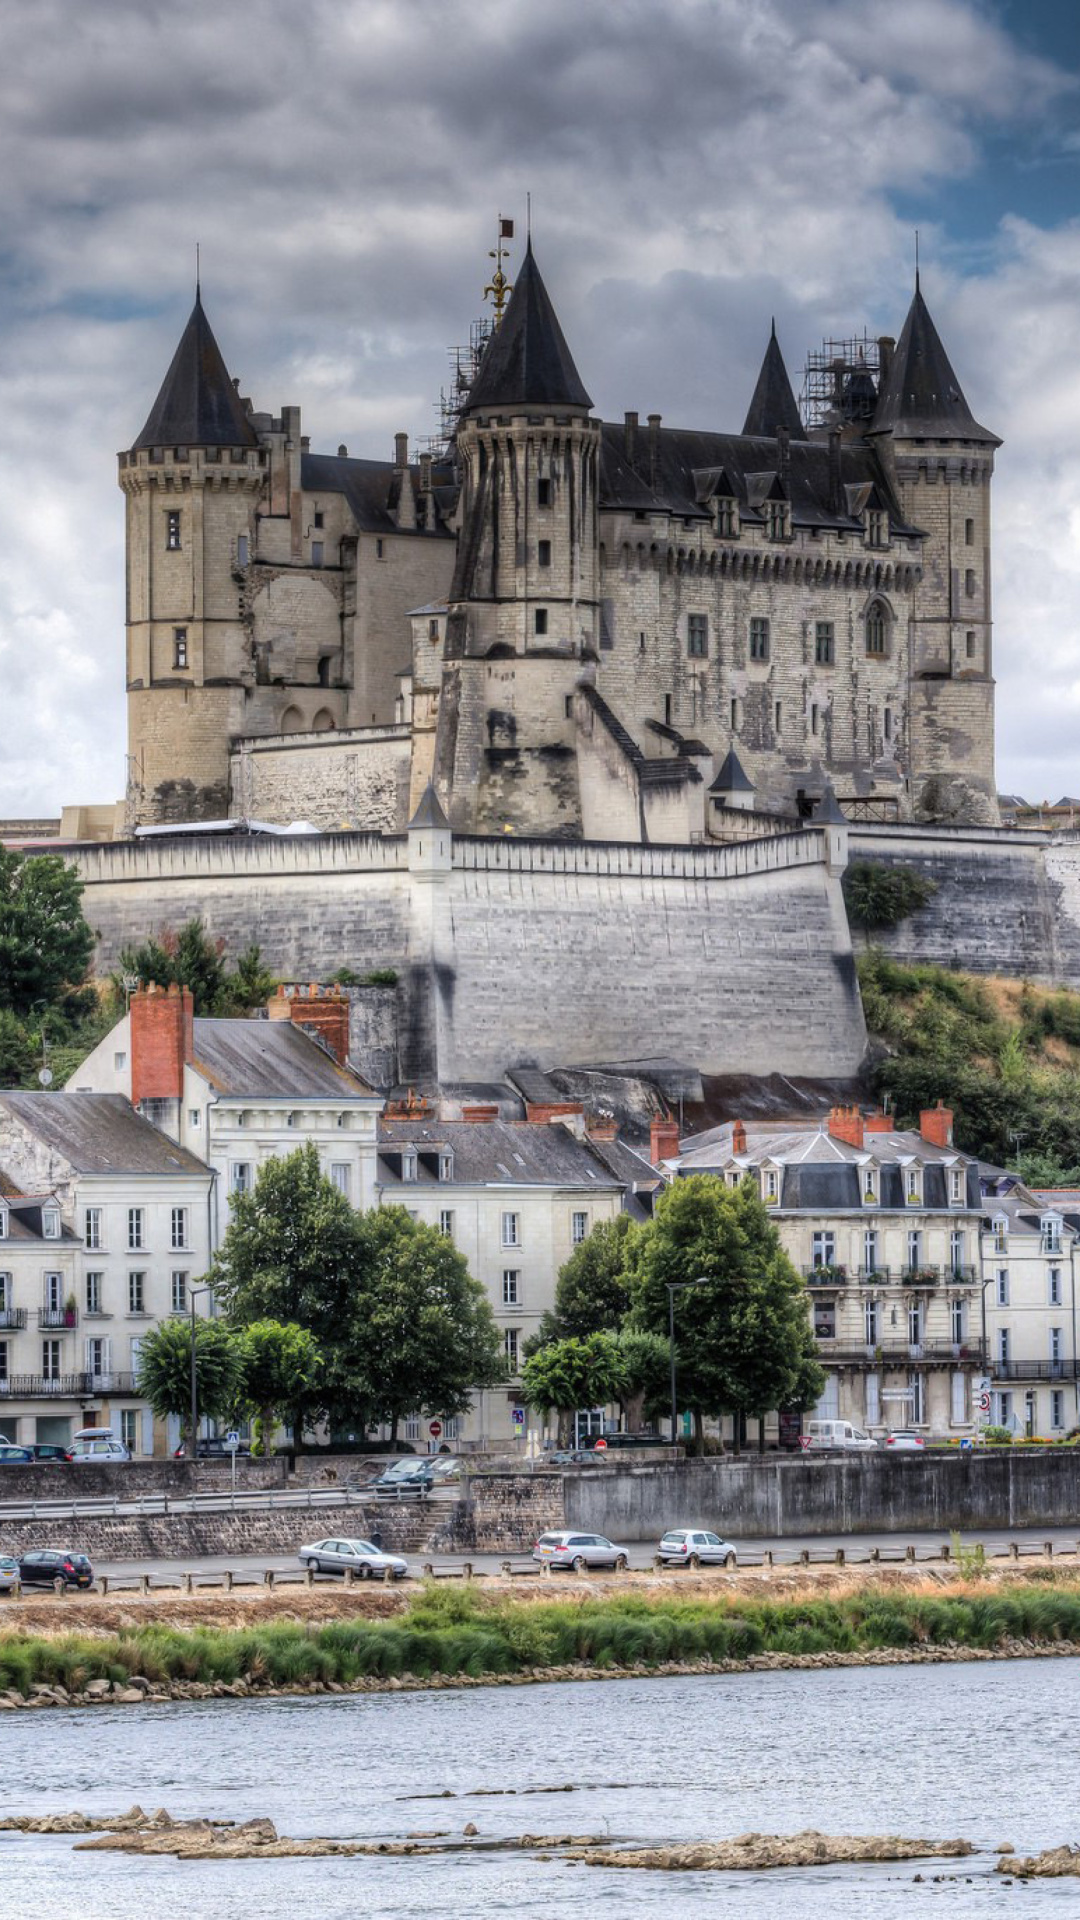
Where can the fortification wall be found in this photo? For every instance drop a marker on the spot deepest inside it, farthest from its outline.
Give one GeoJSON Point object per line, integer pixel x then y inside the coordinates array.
{"type": "Point", "coordinates": [354, 779]}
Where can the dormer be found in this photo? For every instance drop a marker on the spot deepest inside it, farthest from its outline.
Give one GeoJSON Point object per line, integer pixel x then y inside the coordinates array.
{"type": "Point", "coordinates": [715, 489]}
{"type": "Point", "coordinates": [768, 494]}
{"type": "Point", "coordinates": [408, 1164]}
{"type": "Point", "coordinates": [999, 1227]}
{"type": "Point", "coordinates": [3, 1219]}
{"type": "Point", "coordinates": [1050, 1233]}
{"type": "Point", "coordinates": [50, 1221]}
{"type": "Point", "coordinates": [913, 1184]}
{"type": "Point", "coordinates": [956, 1184]}
{"type": "Point", "coordinates": [870, 1184]}
{"type": "Point", "coordinates": [446, 1165]}
{"type": "Point", "coordinates": [770, 1185]}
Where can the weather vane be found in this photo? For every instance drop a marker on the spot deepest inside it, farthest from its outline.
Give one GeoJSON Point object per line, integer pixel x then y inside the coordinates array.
{"type": "Point", "coordinates": [499, 287]}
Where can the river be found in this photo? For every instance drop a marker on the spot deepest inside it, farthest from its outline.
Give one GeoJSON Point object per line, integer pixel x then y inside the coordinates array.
{"type": "Point", "coordinates": [984, 1751]}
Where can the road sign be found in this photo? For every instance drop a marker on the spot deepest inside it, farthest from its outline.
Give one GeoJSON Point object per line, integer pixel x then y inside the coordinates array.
{"type": "Point", "coordinates": [517, 1417]}
{"type": "Point", "coordinates": [232, 1441]}
{"type": "Point", "coordinates": [601, 1446]}
{"type": "Point", "coordinates": [435, 1429]}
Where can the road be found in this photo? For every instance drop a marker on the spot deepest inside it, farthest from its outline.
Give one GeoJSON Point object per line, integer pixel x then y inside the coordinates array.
{"type": "Point", "coordinates": [821, 1547]}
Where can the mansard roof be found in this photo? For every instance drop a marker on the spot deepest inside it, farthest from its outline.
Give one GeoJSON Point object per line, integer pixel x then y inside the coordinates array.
{"type": "Point", "coordinates": [198, 405]}
{"type": "Point", "coordinates": [773, 405]}
{"type": "Point", "coordinates": [665, 476]}
{"type": "Point", "coordinates": [921, 397]}
{"type": "Point", "coordinates": [527, 361]}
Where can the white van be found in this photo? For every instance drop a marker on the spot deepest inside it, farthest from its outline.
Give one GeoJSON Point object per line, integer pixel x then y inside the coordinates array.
{"type": "Point", "coordinates": [837, 1436]}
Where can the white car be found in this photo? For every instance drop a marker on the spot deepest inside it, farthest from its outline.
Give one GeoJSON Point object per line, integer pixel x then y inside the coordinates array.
{"type": "Point", "coordinates": [361, 1557]}
{"type": "Point", "coordinates": [696, 1547]}
{"type": "Point", "coordinates": [9, 1574]}
{"type": "Point", "coordinates": [579, 1550]}
{"type": "Point", "coordinates": [904, 1440]}
{"type": "Point", "coordinates": [101, 1447]}
{"type": "Point", "coordinates": [837, 1436]}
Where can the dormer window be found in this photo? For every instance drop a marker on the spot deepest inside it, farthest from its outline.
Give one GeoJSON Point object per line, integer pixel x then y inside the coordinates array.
{"type": "Point", "coordinates": [1051, 1233]}
{"type": "Point", "coordinates": [777, 519]}
{"type": "Point", "coordinates": [727, 524]}
{"type": "Point", "coordinates": [956, 1186]}
{"type": "Point", "coordinates": [871, 1191]}
{"type": "Point", "coordinates": [770, 1186]}
{"type": "Point", "coordinates": [1000, 1229]}
{"type": "Point", "coordinates": [913, 1186]}
{"type": "Point", "coordinates": [408, 1166]}
{"type": "Point", "coordinates": [50, 1223]}
{"type": "Point", "coordinates": [877, 527]}
{"type": "Point", "coordinates": [3, 1222]}
{"type": "Point", "coordinates": [446, 1166]}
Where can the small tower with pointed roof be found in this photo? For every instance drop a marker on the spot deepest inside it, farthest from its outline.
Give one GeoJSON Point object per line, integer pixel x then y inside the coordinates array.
{"type": "Point", "coordinates": [940, 462]}
{"type": "Point", "coordinates": [523, 611]}
{"type": "Point", "coordinates": [192, 481]}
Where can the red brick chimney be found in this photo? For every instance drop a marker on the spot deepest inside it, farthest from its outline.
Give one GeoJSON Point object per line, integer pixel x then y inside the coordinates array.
{"type": "Point", "coordinates": [878, 1123]}
{"type": "Point", "coordinates": [935, 1126]}
{"type": "Point", "coordinates": [324, 1011]}
{"type": "Point", "coordinates": [846, 1123]}
{"type": "Point", "coordinates": [663, 1140]}
{"type": "Point", "coordinates": [738, 1137]}
{"type": "Point", "coordinates": [480, 1113]}
{"type": "Point", "coordinates": [161, 1041]}
{"type": "Point", "coordinates": [544, 1110]}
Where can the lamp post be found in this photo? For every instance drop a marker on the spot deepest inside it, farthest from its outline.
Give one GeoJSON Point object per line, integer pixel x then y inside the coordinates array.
{"type": "Point", "coordinates": [192, 1292]}
{"type": "Point", "coordinates": [674, 1287]}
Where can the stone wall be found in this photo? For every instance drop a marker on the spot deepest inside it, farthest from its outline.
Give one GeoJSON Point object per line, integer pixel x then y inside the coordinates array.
{"type": "Point", "coordinates": [174, 1536]}
{"type": "Point", "coordinates": [358, 778]}
{"type": "Point", "coordinates": [139, 1479]}
{"type": "Point", "coordinates": [502, 1512]}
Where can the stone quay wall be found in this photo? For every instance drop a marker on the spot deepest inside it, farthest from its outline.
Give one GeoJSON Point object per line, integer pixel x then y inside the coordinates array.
{"type": "Point", "coordinates": [139, 1479]}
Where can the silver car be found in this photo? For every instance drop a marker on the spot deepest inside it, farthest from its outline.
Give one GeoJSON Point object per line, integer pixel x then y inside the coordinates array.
{"type": "Point", "coordinates": [361, 1557]}
{"type": "Point", "coordinates": [9, 1574]}
{"type": "Point", "coordinates": [696, 1547]}
{"type": "Point", "coordinates": [578, 1550]}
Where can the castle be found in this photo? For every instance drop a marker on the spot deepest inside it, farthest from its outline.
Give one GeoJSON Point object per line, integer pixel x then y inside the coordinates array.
{"type": "Point", "coordinates": [575, 629]}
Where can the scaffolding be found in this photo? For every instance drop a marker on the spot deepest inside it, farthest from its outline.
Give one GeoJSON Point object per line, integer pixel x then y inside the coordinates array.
{"type": "Point", "coordinates": [464, 366]}
{"type": "Point", "coordinates": [840, 381]}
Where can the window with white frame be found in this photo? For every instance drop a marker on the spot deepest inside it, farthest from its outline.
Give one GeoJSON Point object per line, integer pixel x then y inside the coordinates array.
{"type": "Point", "coordinates": [956, 1186]}
{"type": "Point", "coordinates": [179, 1292]}
{"type": "Point", "coordinates": [194, 1119]}
{"type": "Point", "coordinates": [917, 1398]}
{"type": "Point", "coordinates": [957, 1249]}
{"type": "Point", "coordinates": [958, 1321]}
{"type": "Point", "coordinates": [1057, 1345]}
{"type": "Point", "coordinates": [824, 1248]}
{"type": "Point", "coordinates": [137, 1292]}
{"type": "Point", "coordinates": [511, 1287]}
{"type": "Point", "coordinates": [958, 1404]}
{"type": "Point", "coordinates": [510, 1345]}
{"type": "Point", "coordinates": [1051, 1233]}
{"type": "Point", "coordinates": [869, 1186]}
{"type": "Point", "coordinates": [871, 1322]}
{"type": "Point", "coordinates": [54, 1293]}
{"type": "Point", "coordinates": [136, 1229]}
{"type": "Point", "coordinates": [97, 1357]}
{"type": "Point", "coordinates": [4, 1349]}
{"type": "Point", "coordinates": [873, 1399]}
{"type": "Point", "coordinates": [579, 1228]}
{"type": "Point", "coordinates": [452, 1428]}
{"type": "Point", "coordinates": [1003, 1346]}
{"type": "Point", "coordinates": [913, 1184]}
{"type": "Point", "coordinates": [412, 1426]}
{"type": "Point", "coordinates": [770, 1181]}
{"type": "Point", "coordinates": [3, 1221]}
{"type": "Point", "coordinates": [408, 1166]}
{"type": "Point", "coordinates": [1057, 1407]}
{"type": "Point", "coordinates": [50, 1359]}
{"type": "Point", "coordinates": [93, 1292]}
{"type": "Point", "coordinates": [446, 1222]}
{"type": "Point", "coordinates": [240, 1176]}
{"type": "Point", "coordinates": [178, 1229]}
{"type": "Point", "coordinates": [1003, 1409]}
{"type": "Point", "coordinates": [50, 1223]}
{"type": "Point", "coordinates": [5, 1293]}
{"type": "Point", "coordinates": [915, 1323]}
{"type": "Point", "coordinates": [1053, 1287]}
{"type": "Point", "coordinates": [1001, 1286]}
{"type": "Point", "coordinates": [341, 1176]}
{"type": "Point", "coordinates": [914, 1248]}
{"type": "Point", "coordinates": [511, 1229]}
{"type": "Point", "coordinates": [870, 1250]}
{"type": "Point", "coordinates": [92, 1227]}
{"type": "Point", "coordinates": [129, 1428]}
{"type": "Point", "coordinates": [1000, 1231]}
{"type": "Point", "coordinates": [136, 1352]}
{"type": "Point", "coordinates": [446, 1166]}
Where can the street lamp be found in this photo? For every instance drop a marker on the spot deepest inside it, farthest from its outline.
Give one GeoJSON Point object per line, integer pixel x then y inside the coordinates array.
{"type": "Point", "coordinates": [674, 1287]}
{"type": "Point", "coordinates": [192, 1292]}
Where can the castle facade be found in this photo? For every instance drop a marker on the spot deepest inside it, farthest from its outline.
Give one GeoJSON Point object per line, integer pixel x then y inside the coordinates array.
{"type": "Point", "coordinates": [576, 629]}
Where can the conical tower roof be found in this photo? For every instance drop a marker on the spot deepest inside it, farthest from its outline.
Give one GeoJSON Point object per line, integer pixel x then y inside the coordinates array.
{"type": "Point", "coordinates": [773, 405]}
{"type": "Point", "coordinates": [921, 397]}
{"type": "Point", "coordinates": [429, 812]}
{"type": "Point", "coordinates": [732, 777]}
{"type": "Point", "coordinates": [527, 361]}
{"type": "Point", "coordinates": [198, 406]}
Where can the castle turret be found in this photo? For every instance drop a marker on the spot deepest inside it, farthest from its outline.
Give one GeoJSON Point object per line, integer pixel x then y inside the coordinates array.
{"type": "Point", "coordinates": [773, 409]}
{"type": "Point", "coordinates": [940, 461]}
{"type": "Point", "coordinates": [192, 481]}
{"type": "Point", "coordinates": [523, 613]}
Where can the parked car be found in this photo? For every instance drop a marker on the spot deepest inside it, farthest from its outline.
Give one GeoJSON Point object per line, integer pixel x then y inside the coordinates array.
{"type": "Point", "coordinates": [837, 1436]}
{"type": "Point", "coordinates": [46, 1451]}
{"type": "Point", "coordinates": [212, 1447]}
{"type": "Point", "coordinates": [696, 1547]}
{"type": "Point", "coordinates": [578, 1550]}
{"type": "Point", "coordinates": [403, 1479]}
{"type": "Point", "coordinates": [445, 1470]}
{"type": "Point", "coordinates": [102, 1447]}
{"type": "Point", "coordinates": [13, 1456]}
{"type": "Point", "coordinates": [571, 1457]}
{"type": "Point", "coordinates": [49, 1567]}
{"type": "Point", "coordinates": [9, 1574]}
{"type": "Point", "coordinates": [905, 1440]}
{"type": "Point", "coordinates": [366, 1561]}
{"type": "Point", "coordinates": [609, 1442]}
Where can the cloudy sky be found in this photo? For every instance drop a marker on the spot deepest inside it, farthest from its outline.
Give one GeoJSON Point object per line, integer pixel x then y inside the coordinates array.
{"type": "Point", "coordinates": [695, 167]}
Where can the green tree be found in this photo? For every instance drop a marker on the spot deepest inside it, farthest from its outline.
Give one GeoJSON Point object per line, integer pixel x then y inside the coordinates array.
{"type": "Point", "coordinates": [592, 1293]}
{"type": "Point", "coordinates": [572, 1374]}
{"type": "Point", "coordinates": [277, 1360]}
{"type": "Point", "coordinates": [45, 944]}
{"type": "Point", "coordinates": [296, 1251]}
{"type": "Point", "coordinates": [743, 1342]}
{"type": "Point", "coordinates": [164, 1373]}
{"type": "Point", "coordinates": [249, 984]}
{"type": "Point", "coordinates": [20, 1059]}
{"type": "Point", "coordinates": [646, 1366]}
{"type": "Point", "coordinates": [433, 1332]}
{"type": "Point", "coordinates": [879, 896]}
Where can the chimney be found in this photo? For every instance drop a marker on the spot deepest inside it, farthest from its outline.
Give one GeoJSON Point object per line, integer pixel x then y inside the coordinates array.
{"type": "Point", "coordinates": [162, 1032]}
{"type": "Point", "coordinates": [783, 453]}
{"type": "Point", "coordinates": [406, 503]}
{"type": "Point", "coordinates": [323, 1011]}
{"type": "Point", "coordinates": [835, 476]}
{"type": "Point", "coordinates": [427, 494]}
{"type": "Point", "coordinates": [602, 1128]}
{"type": "Point", "coordinates": [663, 1139]}
{"type": "Point", "coordinates": [479, 1114]}
{"type": "Point", "coordinates": [738, 1137]}
{"type": "Point", "coordinates": [846, 1123]}
{"type": "Point", "coordinates": [935, 1126]}
{"type": "Point", "coordinates": [878, 1123]}
{"type": "Point", "coordinates": [886, 347]}
{"type": "Point", "coordinates": [654, 448]}
{"type": "Point", "coordinates": [544, 1110]}
{"type": "Point", "coordinates": [343, 452]}
{"type": "Point", "coordinates": [630, 437]}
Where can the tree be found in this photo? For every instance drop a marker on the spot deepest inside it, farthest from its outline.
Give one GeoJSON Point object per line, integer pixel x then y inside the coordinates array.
{"type": "Point", "coordinates": [592, 1293]}
{"type": "Point", "coordinates": [19, 1058]}
{"type": "Point", "coordinates": [187, 959]}
{"type": "Point", "coordinates": [743, 1342]}
{"type": "Point", "coordinates": [880, 896]}
{"type": "Point", "coordinates": [646, 1365]}
{"type": "Point", "coordinates": [45, 944]}
{"type": "Point", "coordinates": [250, 984]}
{"type": "Point", "coordinates": [572, 1374]}
{"type": "Point", "coordinates": [277, 1361]}
{"type": "Point", "coordinates": [433, 1332]}
{"type": "Point", "coordinates": [164, 1373]}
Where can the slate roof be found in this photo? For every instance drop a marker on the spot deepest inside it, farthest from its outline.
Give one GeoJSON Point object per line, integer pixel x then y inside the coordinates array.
{"type": "Point", "coordinates": [822, 1175]}
{"type": "Point", "coordinates": [921, 397]}
{"type": "Point", "coordinates": [527, 361]}
{"type": "Point", "coordinates": [198, 405]}
{"type": "Point", "coordinates": [493, 1153]}
{"type": "Point", "coordinates": [732, 777]}
{"type": "Point", "coordinates": [369, 491]}
{"type": "Point", "coordinates": [25, 1228]}
{"type": "Point", "coordinates": [429, 813]}
{"type": "Point", "coordinates": [773, 404]}
{"type": "Point", "coordinates": [99, 1133]}
{"type": "Point", "coordinates": [272, 1058]}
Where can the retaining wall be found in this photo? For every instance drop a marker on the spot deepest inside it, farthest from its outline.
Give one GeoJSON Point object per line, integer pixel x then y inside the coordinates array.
{"type": "Point", "coordinates": [176, 1536]}
{"type": "Point", "coordinates": [134, 1479]}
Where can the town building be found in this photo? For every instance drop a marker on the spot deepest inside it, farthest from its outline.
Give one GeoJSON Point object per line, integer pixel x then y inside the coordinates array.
{"type": "Point", "coordinates": [884, 1226]}
{"type": "Point", "coordinates": [1030, 1245]}
{"type": "Point", "coordinates": [104, 1228]}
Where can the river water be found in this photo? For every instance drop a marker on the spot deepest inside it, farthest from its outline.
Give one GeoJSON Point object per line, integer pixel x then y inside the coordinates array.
{"type": "Point", "coordinates": [988, 1752]}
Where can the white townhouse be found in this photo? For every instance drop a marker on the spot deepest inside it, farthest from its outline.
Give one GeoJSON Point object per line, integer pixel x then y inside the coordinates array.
{"type": "Point", "coordinates": [1030, 1247]}
{"type": "Point", "coordinates": [102, 1240]}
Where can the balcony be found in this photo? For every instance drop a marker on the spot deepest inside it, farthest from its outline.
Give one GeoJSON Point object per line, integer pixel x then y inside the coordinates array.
{"type": "Point", "coordinates": [57, 1318]}
{"type": "Point", "coordinates": [826, 1275]}
{"type": "Point", "coordinates": [12, 1319]}
{"type": "Point", "coordinates": [904, 1353]}
{"type": "Point", "coordinates": [1035, 1369]}
{"type": "Point", "coordinates": [64, 1386]}
{"type": "Point", "coordinates": [920, 1276]}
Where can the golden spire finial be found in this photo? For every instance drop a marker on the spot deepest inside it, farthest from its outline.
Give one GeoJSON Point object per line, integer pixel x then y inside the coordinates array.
{"type": "Point", "coordinates": [499, 287]}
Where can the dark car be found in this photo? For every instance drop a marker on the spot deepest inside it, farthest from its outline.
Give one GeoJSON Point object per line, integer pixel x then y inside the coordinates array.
{"type": "Point", "coordinates": [13, 1456]}
{"type": "Point", "coordinates": [51, 1567]}
{"type": "Point", "coordinates": [404, 1480]}
{"type": "Point", "coordinates": [213, 1448]}
{"type": "Point", "coordinates": [43, 1451]}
